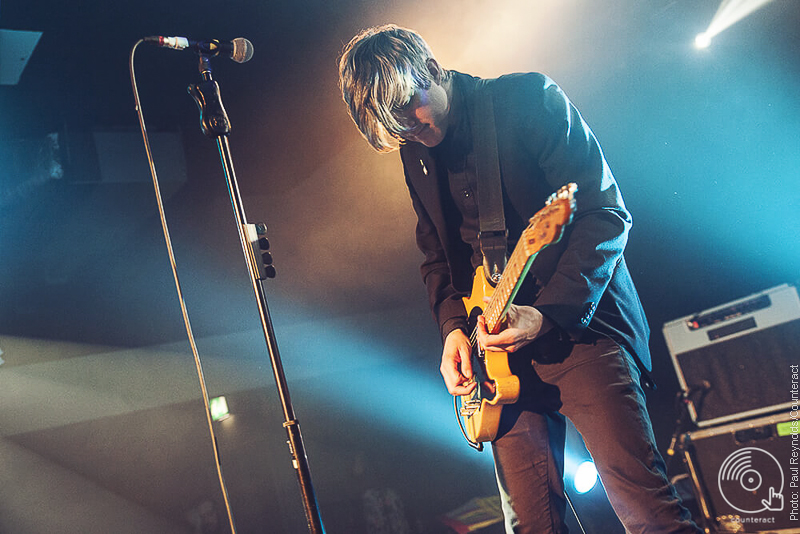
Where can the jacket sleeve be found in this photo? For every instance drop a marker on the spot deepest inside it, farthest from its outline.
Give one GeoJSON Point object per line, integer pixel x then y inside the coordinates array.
{"type": "Point", "coordinates": [445, 300]}
{"type": "Point", "coordinates": [565, 150]}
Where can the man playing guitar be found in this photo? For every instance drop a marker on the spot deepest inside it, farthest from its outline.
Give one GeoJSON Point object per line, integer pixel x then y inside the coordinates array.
{"type": "Point", "coordinates": [575, 334]}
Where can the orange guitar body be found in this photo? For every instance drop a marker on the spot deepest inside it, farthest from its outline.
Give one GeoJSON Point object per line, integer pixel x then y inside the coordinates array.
{"type": "Point", "coordinates": [498, 385]}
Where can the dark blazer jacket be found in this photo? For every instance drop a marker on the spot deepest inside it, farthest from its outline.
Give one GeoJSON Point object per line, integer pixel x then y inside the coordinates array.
{"type": "Point", "coordinates": [581, 283]}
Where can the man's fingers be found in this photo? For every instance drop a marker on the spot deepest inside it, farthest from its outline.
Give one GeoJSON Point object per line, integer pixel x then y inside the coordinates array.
{"type": "Point", "coordinates": [466, 361]}
{"type": "Point", "coordinates": [485, 339]}
{"type": "Point", "coordinates": [506, 340]}
{"type": "Point", "coordinates": [456, 382]}
{"type": "Point", "coordinates": [463, 389]}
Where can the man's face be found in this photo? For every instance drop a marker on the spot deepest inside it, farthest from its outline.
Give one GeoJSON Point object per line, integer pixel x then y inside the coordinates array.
{"type": "Point", "coordinates": [426, 115]}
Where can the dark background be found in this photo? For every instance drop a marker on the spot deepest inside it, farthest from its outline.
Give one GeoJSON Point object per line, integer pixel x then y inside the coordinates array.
{"type": "Point", "coordinates": [101, 415]}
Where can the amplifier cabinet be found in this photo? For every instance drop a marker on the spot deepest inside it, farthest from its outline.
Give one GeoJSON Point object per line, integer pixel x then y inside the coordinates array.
{"type": "Point", "coordinates": [734, 361]}
{"type": "Point", "coordinates": [745, 474]}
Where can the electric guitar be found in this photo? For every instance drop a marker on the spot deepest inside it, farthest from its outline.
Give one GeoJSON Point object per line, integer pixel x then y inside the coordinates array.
{"type": "Point", "coordinates": [479, 412]}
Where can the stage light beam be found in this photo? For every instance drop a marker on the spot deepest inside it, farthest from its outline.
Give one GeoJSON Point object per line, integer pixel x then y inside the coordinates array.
{"type": "Point", "coordinates": [728, 13]}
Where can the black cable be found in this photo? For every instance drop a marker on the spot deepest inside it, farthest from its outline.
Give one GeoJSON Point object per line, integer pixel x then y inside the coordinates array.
{"type": "Point", "coordinates": [181, 300]}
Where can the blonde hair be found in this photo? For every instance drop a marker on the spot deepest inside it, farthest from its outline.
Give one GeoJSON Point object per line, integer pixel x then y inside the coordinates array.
{"type": "Point", "coordinates": [379, 71]}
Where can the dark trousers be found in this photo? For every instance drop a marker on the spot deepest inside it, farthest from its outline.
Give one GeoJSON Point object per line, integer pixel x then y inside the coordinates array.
{"type": "Point", "coordinates": [597, 386]}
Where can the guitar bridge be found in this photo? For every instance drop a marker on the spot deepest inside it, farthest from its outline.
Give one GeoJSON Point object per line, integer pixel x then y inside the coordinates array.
{"type": "Point", "coordinates": [468, 408]}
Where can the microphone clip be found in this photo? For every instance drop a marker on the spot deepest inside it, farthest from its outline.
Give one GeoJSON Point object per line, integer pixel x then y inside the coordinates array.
{"type": "Point", "coordinates": [213, 118]}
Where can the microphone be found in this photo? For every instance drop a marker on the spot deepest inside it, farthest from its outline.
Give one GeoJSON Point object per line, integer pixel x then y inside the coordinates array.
{"type": "Point", "coordinates": [240, 49]}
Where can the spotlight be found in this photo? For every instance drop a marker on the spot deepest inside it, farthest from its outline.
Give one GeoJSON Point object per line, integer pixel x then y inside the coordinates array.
{"type": "Point", "coordinates": [585, 477]}
{"type": "Point", "coordinates": [702, 40]}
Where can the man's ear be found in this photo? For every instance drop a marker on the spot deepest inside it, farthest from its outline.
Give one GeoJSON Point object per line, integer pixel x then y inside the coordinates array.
{"type": "Point", "coordinates": [435, 69]}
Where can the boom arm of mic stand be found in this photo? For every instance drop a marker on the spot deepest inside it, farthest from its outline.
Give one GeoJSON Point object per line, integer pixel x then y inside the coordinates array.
{"type": "Point", "coordinates": [215, 124]}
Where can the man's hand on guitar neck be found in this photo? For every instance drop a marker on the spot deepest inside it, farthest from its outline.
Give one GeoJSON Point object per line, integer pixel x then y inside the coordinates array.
{"type": "Point", "coordinates": [456, 365]}
{"type": "Point", "coordinates": [523, 324]}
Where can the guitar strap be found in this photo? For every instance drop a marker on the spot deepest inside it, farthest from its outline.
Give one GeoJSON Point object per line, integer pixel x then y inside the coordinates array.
{"type": "Point", "coordinates": [493, 234]}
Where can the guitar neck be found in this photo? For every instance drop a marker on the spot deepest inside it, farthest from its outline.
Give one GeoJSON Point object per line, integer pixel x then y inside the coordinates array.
{"type": "Point", "coordinates": [517, 267]}
{"type": "Point", "coordinates": [545, 228]}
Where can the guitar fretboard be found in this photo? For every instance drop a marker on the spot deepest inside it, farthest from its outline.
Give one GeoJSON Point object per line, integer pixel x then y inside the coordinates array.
{"type": "Point", "coordinates": [515, 268]}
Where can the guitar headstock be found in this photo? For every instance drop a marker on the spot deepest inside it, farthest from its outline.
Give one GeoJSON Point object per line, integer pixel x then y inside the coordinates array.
{"type": "Point", "coordinates": [566, 194]}
{"type": "Point", "coordinates": [547, 225]}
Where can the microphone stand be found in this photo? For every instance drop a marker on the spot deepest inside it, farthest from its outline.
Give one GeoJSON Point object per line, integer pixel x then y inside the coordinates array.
{"type": "Point", "coordinates": [215, 124]}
